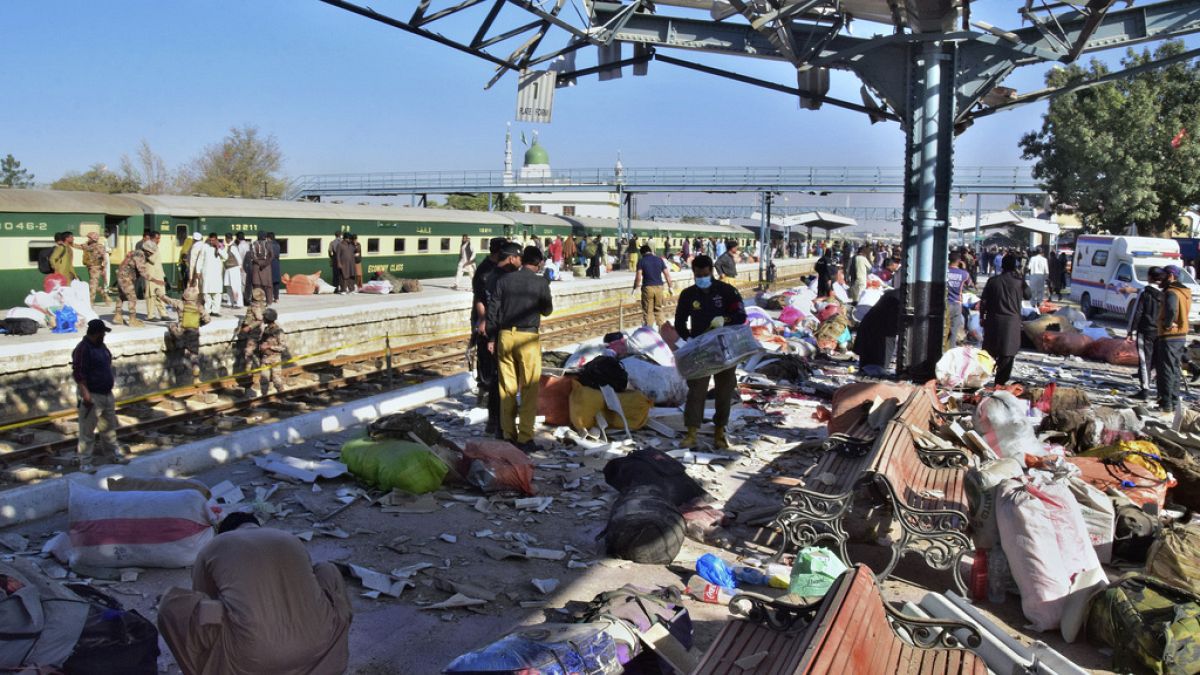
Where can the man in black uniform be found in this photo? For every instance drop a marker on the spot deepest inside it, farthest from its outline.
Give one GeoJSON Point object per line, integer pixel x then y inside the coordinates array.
{"type": "Point", "coordinates": [708, 304]}
{"type": "Point", "coordinates": [515, 311]}
{"type": "Point", "coordinates": [875, 342]}
{"type": "Point", "coordinates": [1143, 326]}
{"type": "Point", "coordinates": [487, 379]}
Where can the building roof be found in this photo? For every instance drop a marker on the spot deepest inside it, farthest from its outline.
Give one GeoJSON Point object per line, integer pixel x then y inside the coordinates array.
{"type": "Point", "coordinates": [193, 207]}
{"type": "Point", "coordinates": [66, 201]}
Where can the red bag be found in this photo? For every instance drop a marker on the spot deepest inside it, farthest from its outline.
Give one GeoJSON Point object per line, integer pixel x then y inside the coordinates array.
{"type": "Point", "coordinates": [494, 465]}
{"type": "Point", "coordinates": [1065, 344]}
{"type": "Point", "coordinates": [554, 400]}
{"type": "Point", "coordinates": [1116, 351]}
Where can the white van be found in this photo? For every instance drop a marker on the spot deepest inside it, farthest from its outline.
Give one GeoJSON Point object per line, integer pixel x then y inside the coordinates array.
{"type": "Point", "coordinates": [1109, 272]}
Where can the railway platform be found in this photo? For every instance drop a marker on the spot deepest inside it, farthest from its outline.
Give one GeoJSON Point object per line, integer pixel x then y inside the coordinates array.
{"type": "Point", "coordinates": [35, 370]}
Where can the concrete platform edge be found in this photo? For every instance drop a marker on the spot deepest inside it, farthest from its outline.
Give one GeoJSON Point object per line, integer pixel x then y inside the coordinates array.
{"type": "Point", "coordinates": [32, 502]}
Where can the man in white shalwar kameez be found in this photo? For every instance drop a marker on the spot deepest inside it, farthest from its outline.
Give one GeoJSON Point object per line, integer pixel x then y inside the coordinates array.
{"type": "Point", "coordinates": [233, 272]}
{"type": "Point", "coordinates": [211, 272]}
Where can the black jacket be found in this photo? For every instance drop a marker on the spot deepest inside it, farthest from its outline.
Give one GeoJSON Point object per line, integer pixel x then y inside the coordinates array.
{"type": "Point", "coordinates": [697, 308]}
{"type": "Point", "coordinates": [1001, 312]}
{"type": "Point", "coordinates": [726, 265]}
{"type": "Point", "coordinates": [1144, 320]}
{"type": "Point", "coordinates": [519, 301]}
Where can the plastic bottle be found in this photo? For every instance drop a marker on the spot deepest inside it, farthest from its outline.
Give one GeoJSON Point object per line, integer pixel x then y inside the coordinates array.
{"type": "Point", "coordinates": [998, 576]}
{"type": "Point", "coordinates": [704, 591]}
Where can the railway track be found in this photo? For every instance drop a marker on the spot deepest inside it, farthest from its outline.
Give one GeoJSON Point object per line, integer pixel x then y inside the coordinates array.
{"type": "Point", "coordinates": [44, 450]}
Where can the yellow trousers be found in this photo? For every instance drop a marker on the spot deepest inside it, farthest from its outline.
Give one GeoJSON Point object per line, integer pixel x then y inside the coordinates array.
{"type": "Point", "coordinates": [520, 359]}
{"type": "Point", "coordinates": [156, 307]}
{"type": "Point", "coordinates": [654, 309]}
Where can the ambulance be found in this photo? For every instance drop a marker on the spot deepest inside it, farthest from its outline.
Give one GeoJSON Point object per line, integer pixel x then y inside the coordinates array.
{"type": "Point", "coordinates": [1109, 272]}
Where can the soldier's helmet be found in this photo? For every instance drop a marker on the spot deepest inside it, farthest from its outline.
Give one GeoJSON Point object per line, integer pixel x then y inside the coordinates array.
{"type": "Point", "coordinates": [191, 293]}
{"type": "Point", "coordinates": [258, 295]}
{"type": "Point", "coordinates": [270, 315]}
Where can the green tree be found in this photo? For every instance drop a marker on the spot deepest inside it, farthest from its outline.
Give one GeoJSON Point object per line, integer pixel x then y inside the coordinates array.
{"type": "Point", "coordinates": [479, 202]}
{"type": "Point", "coordinates": [12, 175]}
{"type": "Point", "coordinates": [100, 178]}
{"type": "Point", "coordinates": [1113, 151]}
{"type": "Point", "coordinates": [246, 163]}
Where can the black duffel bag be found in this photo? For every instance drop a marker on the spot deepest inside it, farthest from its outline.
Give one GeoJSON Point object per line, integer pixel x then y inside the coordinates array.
{"type": "Point", "coordinates": [644, 526]}
{"type": "Point", "coordinates": [20, 326]}
{"type": "Point", "coordinates": [653, 467]}
{"type": "Point", "coordinates": [604, 370]}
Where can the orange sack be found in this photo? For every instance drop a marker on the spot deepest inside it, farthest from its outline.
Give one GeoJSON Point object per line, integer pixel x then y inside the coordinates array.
{"type": "Point", "coordinates": [494, 465]}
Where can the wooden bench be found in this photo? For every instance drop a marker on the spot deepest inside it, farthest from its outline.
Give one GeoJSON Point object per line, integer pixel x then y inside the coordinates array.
{"type": "Point", "coordinates": [927, 501]}
{"type": "Point", "coordinates": [850, 632]}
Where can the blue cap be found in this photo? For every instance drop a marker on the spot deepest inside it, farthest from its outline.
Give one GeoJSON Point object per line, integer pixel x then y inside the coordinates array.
{"type": "Point", "coordinates": [1175, 270]}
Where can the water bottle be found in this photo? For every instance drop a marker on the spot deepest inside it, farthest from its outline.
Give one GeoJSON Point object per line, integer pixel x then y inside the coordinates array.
{"type": "Point", "coordinates": [704, 591]}
{"type": "Point", "coordinates": [998, 576]}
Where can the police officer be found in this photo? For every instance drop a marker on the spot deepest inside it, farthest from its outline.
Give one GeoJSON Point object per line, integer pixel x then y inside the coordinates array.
{"type": "Point", "coordinates": [272, 349]}
{"type": "Point", "coordinates": [487, 382]}
{"type": "Point", "coordinates": [514, 315]}
{"type": "Point", "coordinates": [95, 258]}
{"type": "Point", "coordinates": [707, 304]}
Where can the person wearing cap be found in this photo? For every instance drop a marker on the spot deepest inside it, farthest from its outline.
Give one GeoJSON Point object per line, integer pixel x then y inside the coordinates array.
{"type": "Point", "coordinates": [1143, 327]}
{"type": "Point", "coordinates": [257, 606]}
{"type": "Point", "coordinates": [272, 349]}
{"type": "Point", "coordinates": [708, 304]}
{"type": "Point", "coordinates": [91, 368]}
{"type": "Point", "coordinates": [156, 280]}
{"type": "Point", "coordinates": [514, 315]}
{"type": "Point", "coordinates": [652, 276]}
{"type": "Point", "coordinates": [209, 272]}
{"type": "Point", "coordinates": [726, 266]}
{"type": "Point", "coordinates": [1172, 337]}
{"type": "Point", "coordinates": [132, 268]}
{"type": "Point", "coordinates": [487, 383]}
{"type": "Point", "coordinates": [95, 259]}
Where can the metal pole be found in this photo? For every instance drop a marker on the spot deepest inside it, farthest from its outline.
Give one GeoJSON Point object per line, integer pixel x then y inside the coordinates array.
{"type": "Point", "coordinates": [490, 208]}
{"type": "Point", "coordinates": [978, 216]}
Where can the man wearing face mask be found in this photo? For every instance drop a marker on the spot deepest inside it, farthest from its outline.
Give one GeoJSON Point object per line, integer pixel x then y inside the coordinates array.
{"type": "Point", "coordinates": [91, 368]}
{"type": "Point", "coordinates": [708, 304]}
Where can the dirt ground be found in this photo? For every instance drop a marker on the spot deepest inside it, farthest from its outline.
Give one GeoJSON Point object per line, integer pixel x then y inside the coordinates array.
{"type": "Point", "coordinates": [449, 533]}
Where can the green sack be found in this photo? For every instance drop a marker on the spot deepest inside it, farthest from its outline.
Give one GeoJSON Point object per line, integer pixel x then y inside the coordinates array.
{"type": "Point", "coordinates": [1151, 627]}
{"type": "Point", "coordinates": [814, 572]}
{"type": "Point", "coordinates": [388, 464]}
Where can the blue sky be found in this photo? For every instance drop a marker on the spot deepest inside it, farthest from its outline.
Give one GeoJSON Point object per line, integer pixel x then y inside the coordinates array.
{"type": "Point", "coordinates": [85, 81]}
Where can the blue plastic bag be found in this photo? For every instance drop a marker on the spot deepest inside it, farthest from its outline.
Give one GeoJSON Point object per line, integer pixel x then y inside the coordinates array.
{"type": "Point", "coordinates": [64, 320]}
{"type": "Point", "coordinates": [715, 571]}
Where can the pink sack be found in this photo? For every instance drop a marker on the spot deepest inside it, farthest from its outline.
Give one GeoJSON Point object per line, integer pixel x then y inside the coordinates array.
{"type": "Point", "coordinates": [791, 316]}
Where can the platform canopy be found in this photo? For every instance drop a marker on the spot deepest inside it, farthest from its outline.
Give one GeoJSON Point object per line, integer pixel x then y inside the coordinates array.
{"type": "Point", "coordinates": [1002, 219]}
{"type": "Point", "coordinates": [813, 219]}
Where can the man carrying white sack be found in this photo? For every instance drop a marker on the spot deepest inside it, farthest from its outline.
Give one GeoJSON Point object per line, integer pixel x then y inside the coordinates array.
{"type": "Point", "coordinates": [258, 606]}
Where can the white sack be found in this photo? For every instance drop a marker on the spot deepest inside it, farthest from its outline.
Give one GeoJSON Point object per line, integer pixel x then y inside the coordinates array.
{"type": "Point", "coordinates": [1003, 422]}
{"type": "Point", "coordinates": [647, 342]}
{"type": "Point", "coordinates": [662, 384]}
{"type": "Point", "coordinates": [136, 529]}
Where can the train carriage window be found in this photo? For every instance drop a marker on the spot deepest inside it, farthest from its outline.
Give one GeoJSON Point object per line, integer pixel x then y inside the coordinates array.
{"type": "Point", "coordinates": [36, 248]}
{"type": "Point", "coordinates": [422, 245]}
{"type": "Point", "coordinates": [445, 243]}
{"type": "Point", "coordinates": [181, 234]}
{"type": "Point", "coordinates": [283, 246]}
{"type": "Point", "coordinates": [483, 244]}
{"type": "Point", "coordinates": [373, 245]}
{"type": "Point", "coordinates": [314, 246]}
{"type": "Point", "coordinates": [398, 244]}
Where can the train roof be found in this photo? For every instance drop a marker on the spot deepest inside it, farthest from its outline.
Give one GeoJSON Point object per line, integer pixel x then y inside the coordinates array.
{"type": "Point", "coordinates": [529, 218]}
{"type": "Point", "coordinates": [191, 207]}
{"type": "Point", "coordinates": [66, 201]}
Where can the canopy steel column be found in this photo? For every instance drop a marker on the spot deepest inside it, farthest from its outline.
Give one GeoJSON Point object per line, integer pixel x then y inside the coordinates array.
{"type": "Point", "coordinates": [929, 134]}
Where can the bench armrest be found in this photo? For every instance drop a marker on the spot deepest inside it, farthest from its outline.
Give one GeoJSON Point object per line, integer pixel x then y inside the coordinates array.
{"type": "Point", "coordinates": [784, 614]}
{"type": "Point", "coordinates": [945, 459]}
{"type": "Point", "coordinates": [933, 633]}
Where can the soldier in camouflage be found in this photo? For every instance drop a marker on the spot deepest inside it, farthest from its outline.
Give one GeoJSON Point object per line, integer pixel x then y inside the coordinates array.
{"type": "Point", "coordinates": [156, 280]}
{"type": "Point", "coordinates": [272, 349]}
{"type": "Point", "coordinates": [95, 258]}
{"type": "Point", "coordinates": [250, 329]}
{"type": "Point", "coordinates": [185, 331]}
{"type": "Point", "coordinates": [132, 267]}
